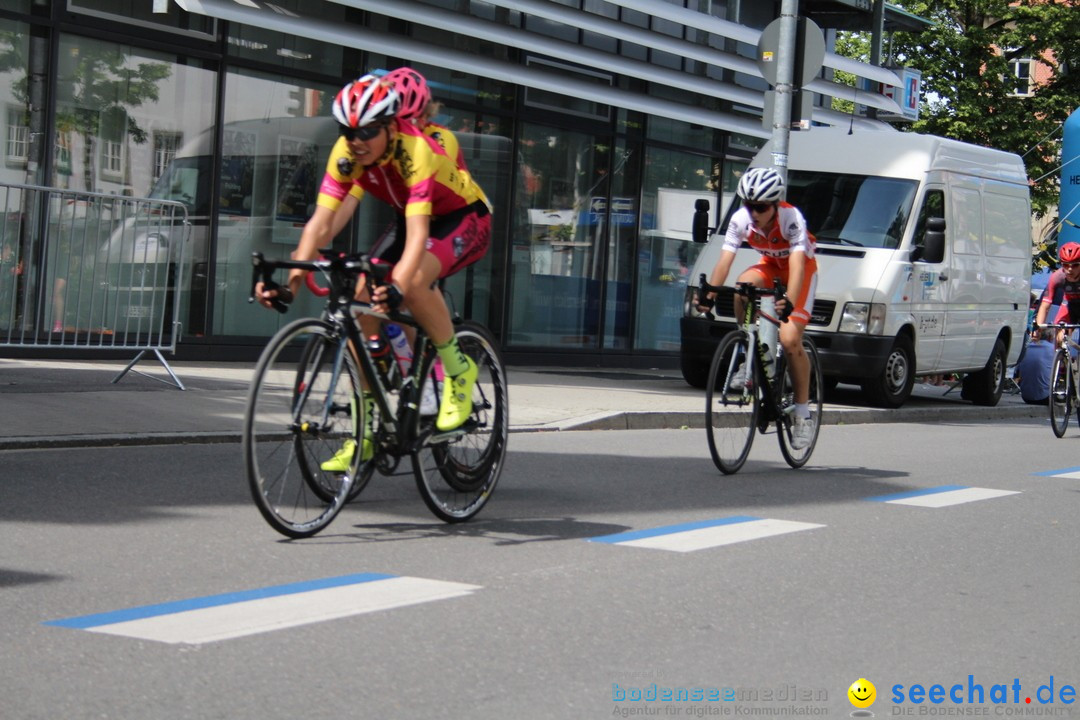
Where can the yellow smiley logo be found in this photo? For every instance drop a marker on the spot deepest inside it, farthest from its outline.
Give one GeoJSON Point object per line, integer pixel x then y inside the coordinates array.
{"type": "Point", "coordinates": [862, 693]}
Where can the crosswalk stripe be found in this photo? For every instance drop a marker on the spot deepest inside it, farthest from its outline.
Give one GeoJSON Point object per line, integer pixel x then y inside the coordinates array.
{"type": "Point", "coordinates": [232, 615]}
{"type": "Point", "coordinates": [942, 496]}
{"type": "Point", "coordinates": [1072, 473]}
{"type": "Point", "coordinates": [688, 537]}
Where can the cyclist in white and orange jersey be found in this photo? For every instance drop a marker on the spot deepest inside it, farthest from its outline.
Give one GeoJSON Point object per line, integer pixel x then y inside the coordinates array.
{"type": "Point", "coordinates": [778, 231]}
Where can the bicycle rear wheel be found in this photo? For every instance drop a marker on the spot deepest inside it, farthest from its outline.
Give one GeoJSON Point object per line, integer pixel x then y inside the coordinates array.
{"type": "Point", "coordinates": [797, 457]}
{"type": "Point", "coordinates": [1061, 392]}
{"type": "Point", "coordinates": [302, 407]}
{"type": "Point", "coordinates": [730, 415]}
{"type": "Point", "coordinates": [456, 472]}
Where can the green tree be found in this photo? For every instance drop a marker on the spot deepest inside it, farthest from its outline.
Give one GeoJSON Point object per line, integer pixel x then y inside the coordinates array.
{"type": "Point", "coordinates": [102, 90]}
{"type": "Point", "coordinates": [968, 85]}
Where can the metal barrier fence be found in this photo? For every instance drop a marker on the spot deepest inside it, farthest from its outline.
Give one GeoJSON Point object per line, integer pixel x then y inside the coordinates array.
{"type": "Point", "coordinates": [85, 270]}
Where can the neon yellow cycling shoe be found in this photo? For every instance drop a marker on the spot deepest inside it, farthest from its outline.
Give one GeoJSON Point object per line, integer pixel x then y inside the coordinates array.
{"type": "Point", "coordinates": [343, 458]}
{"type": "Point", "coordinates": [456, 404]}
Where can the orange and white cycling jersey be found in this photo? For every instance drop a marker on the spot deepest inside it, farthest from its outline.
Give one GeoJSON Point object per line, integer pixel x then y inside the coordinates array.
{"type": "Point", "coordinates": [415, 177]}
{"type": "Point", "coordinates": [786, 235]}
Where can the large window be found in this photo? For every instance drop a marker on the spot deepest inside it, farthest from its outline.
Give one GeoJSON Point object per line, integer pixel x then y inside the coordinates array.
{"type": "Point", "coordinates": [853, 210]}
{"type": "Point", "coordinates": [113, 101]}
{"type": "Point", "coordinates": [558, 236]}
{"type": "Point", "coordinates": [274, 146]}
{"type": "Point", "coordinates": [674, 180]}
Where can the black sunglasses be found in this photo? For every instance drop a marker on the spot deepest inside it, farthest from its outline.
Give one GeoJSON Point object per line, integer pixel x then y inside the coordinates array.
{"type": "Point", "coordinates": [1069, 265]}
{"type": "Point", "coordinates": [757, 207]}
{"type": "Point", "coordinates": [361, 133]}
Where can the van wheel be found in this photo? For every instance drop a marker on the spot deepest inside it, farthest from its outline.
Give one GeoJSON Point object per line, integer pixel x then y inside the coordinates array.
{"type": "Point", "coordinates": [694, 372]}
{"type": "Point", "coordinates": [985, 387]}
{"type": "Point", "coordinates": [892, 387]}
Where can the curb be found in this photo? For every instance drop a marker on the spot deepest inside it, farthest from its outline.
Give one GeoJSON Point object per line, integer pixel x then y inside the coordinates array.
{"type": "Point", "coordinates": [621, 420]}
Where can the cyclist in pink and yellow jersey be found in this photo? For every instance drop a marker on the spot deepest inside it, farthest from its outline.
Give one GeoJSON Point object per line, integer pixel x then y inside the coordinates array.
{"type": "Point", "coordinates": [444, 225]}
{"type": "Point", "coordinates": [777, 230]}
{"type": "Point", "coordinates": [417, 106]}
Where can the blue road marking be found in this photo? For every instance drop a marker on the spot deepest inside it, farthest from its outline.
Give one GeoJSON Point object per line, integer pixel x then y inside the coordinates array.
{"type": "Point", "coordinates": [670, 529]}
{"type": "Point", "coordinates": [147, 611]}
{"type": "Point", "coordinates": [916, 493]}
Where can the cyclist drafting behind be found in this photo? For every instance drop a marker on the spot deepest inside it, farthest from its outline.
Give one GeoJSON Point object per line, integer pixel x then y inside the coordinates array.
{"type": "Point", "coordinates": [777, 230]}
{"type": "Point", "coordinates": [417, 106]}
{"type": "Point", "coordinates": [1067, 279]}
{"type": "Point", "coordinates": [444, 225]}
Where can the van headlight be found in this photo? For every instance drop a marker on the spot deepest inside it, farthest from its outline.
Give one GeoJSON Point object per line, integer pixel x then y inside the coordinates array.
{"type": "Point", "coordinates": [863, 318]}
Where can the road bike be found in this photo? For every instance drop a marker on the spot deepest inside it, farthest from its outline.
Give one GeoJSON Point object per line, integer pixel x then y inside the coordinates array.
{"type": "Point", "coordinates": [1064, 373]}
{"type": "Point", "coordinates": [734, 411]}
{"type": "Point", "coordinates": [307, 398]}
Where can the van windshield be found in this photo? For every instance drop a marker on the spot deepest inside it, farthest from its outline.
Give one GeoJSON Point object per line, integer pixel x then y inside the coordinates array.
{"type": "Point", "coordinates": [186, 180]}
{"type": "Point", "coordinates": [857, 210]}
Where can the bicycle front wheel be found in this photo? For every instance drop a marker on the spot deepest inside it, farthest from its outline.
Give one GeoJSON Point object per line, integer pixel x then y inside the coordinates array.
{"type": "Point", "coordinates": [731, 408]}
{"type": "Point", "coordinates": [303, 406]}
{"type": "Point", "coordinates": [797, 457]}
{"type": "Point", "coordinates": [1061, 392]}
{"type": "Point", "coordinates": [456, 472]}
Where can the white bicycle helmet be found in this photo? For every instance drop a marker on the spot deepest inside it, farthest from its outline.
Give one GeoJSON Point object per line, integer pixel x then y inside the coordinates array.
{"type": "Point", "coordinates": [365, 101]}
{"type": "Point", "coordinates": [761, 185]}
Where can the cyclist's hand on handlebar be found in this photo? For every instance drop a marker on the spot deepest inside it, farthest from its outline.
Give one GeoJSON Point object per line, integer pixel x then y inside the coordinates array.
{"type": "Point", "coordinates": [273, 296]}
{"type": "Point", "coordinates": [784, 308]}
{"type": "Point", "coordinates": [705, 302]}
{"type": "Point", "coordinates": [387, 298]}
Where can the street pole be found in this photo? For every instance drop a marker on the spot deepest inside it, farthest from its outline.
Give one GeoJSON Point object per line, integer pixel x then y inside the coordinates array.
{"type": "Point", "coordinates": [785, 89]}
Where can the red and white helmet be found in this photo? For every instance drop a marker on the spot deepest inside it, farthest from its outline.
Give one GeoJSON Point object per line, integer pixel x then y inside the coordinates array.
{"type": "Point", "coordinates": [365, 101]}
{"type": "Point", "coordinates": [413, 90]}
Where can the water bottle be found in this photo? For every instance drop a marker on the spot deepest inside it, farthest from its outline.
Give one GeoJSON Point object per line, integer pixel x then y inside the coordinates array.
{"type": "Point", "coordinates": [380, 353]}
{"type": "Point", "coordinates": [767, 334]}
{"type": "Point", "coordinates": [402, 349]}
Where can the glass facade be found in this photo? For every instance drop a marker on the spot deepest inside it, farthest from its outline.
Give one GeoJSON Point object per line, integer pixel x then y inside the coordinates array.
{"type": "Point", "coordinates": [591, 246]}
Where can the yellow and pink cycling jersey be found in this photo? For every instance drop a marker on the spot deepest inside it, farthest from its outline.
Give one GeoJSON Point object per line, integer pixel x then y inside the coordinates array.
{"type": "Point", "coordinates": [447, 141]}
{"type": "Point", "coordinates": [415, 177]}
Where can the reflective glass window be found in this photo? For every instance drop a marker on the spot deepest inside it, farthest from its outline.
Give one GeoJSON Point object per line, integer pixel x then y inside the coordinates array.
{"type": "Point", "coordinates": [275, 142]}
{"type": "Point", "coordinates": [673, 181]}
{"type": "Point", "coordinates": [559, 230]}
{"type": "Point", "coordinates": [118, 109]}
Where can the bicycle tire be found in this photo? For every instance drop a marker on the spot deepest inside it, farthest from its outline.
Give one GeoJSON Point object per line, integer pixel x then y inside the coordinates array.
{"type": "Point", "coordinates": [1061, 392]}
{"type": "Point", "coordinates": [730, 417]}
{"type": "Point", "coordinates": [286, 436]}
{"type": "Point", "coordinates": [796, 458]}
{"type": "Point", "coordinates": [456, 472]}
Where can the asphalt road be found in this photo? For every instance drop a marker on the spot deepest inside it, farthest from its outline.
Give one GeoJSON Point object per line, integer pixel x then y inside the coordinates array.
{"type": "Point", "coordinates": [548, 607]}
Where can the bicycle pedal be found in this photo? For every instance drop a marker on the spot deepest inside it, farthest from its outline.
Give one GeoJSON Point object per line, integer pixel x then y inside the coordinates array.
{"type": "Point", "coordinates": [464, 429]}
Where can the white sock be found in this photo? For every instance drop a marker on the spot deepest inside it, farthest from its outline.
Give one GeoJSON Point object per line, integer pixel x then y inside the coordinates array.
{"type": "Point", "coordinates": [802, 410]}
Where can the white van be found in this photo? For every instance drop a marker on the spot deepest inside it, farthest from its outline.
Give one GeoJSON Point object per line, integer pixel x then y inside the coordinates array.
{"type": "Point", "coordinates": [924, 261]}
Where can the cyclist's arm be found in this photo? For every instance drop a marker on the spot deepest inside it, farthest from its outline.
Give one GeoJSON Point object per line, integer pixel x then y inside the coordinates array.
{"type": "Point", "coordinates": [719, 273]}
{"type": "Point", "coordinates": [417, 230]}
{"type": "Point", "coordinates": [318, 233]}
{"type": "Point", "coordinates": [796, 274]}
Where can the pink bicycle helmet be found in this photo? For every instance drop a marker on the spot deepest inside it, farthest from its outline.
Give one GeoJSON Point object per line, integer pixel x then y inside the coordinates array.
{"type": "Point", "coordinates": [365, 101]}
{"type": "Point", "coordinates": [413, 90]}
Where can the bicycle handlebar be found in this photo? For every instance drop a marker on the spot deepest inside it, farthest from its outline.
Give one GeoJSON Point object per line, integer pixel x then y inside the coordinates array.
{"type": "Point", "coordinates": [749, 291]}
{"type": "Point", "coordinates": [337, 266]}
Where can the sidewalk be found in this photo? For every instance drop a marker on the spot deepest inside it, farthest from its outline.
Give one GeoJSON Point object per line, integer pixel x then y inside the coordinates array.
{"type": "Point", "coordinates": [56, 403]}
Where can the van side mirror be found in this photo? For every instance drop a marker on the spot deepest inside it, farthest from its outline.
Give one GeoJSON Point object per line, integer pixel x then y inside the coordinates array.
{"type": "Point", "coordinates": [934, 240]}
{"type": "Point", "coordinates": [700, 228]}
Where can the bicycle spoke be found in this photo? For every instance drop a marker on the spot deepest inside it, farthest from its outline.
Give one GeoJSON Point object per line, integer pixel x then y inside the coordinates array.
{"type": "Point", "coordinates": [457, 472]}
{"type": "Point", "coordinates": [731, 408]}
{"type": "Point", "coordinates": [299, 415]}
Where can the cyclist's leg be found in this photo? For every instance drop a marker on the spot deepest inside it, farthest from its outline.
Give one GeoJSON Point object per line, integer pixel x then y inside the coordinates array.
{"type": "Point", "coordinates": [455, 242]}
{"type": "Point", "coordinates": [791, 337]}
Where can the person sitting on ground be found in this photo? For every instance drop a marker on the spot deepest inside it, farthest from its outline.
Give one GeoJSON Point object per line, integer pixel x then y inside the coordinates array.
{"type": "Point", "coordinates": [1033, 370]}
